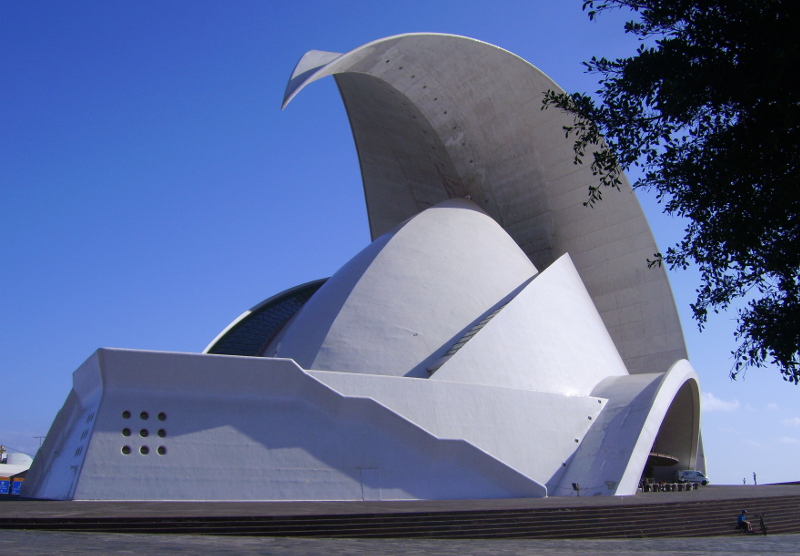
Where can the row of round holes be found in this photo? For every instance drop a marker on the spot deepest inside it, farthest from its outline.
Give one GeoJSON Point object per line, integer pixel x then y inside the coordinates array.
{"type": "Point", "coordinates": [435, 98]}
{"type": "Point", "coordinates": [144, 415]}
{"type": "Point", "coordinates": [144, 433]}
{"type": "Point", "coordinates": [144, 450]}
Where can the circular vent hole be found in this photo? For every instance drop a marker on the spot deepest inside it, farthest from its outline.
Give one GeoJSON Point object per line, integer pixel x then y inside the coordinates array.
{"type": "Point", "coordinates": [144, 450]}
{"type": "Point", "coordinates": [144, 416]}
{"type": "Point", "coordinates": [162, 416]}
{"type": "Point", "coordinates": [126, 450]}
{"type": "Point", "coordinates": [126, 432]}
{"type": "Point", "coordinates": [126, 414]}
{"type": "Point", "coordinates": [162, 433]}
{"type": "Point", "coordinates": [162, 450]}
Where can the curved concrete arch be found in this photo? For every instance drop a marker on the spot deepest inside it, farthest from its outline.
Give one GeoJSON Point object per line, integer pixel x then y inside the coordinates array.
{"type": "Point", "coordinates": [678, 395]}
{"type": "Point", "coordinates": [440, 116]}
{"type": "Point", "coordinates": [613, 454]}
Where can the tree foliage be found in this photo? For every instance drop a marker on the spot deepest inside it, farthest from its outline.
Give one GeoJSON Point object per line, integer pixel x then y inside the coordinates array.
{"type": "Point", "coordinates": [709, 109]}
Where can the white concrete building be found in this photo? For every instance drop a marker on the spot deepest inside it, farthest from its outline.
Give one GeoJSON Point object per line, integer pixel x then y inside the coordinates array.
{"type": "Point", "coordinates": [496, 339]}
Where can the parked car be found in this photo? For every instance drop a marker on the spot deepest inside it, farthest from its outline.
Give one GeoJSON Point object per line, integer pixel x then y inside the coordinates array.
{"type": "Point", "coordinates": [690, 476]}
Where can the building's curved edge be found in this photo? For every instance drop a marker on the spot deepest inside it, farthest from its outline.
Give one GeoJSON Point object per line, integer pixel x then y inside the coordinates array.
{"type": "Point", "coordinates": [310, 63]}
{"type": "Point", "coordinates": [680, 374]}
{"type": "Point", "coordinates": [613, 454]}
{"type": "Point", "coordinates": [548, 338]}
{"type": "Point", "coordinates": [316, 64]}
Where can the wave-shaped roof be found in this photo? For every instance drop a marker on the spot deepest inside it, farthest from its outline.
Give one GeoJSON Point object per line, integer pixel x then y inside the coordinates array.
{"type": "Point", "coordinates": [440, 116]}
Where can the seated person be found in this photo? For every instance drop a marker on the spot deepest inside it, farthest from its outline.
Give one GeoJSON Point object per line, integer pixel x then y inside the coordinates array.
{"type": "Point", "coordinates": [742, 523]}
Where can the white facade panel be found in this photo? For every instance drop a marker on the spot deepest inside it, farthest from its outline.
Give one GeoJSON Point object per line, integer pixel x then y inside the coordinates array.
{"type": "Point", "coordinates": [240, 428]}
{"type": "Point", "coordinates": [533, 432]}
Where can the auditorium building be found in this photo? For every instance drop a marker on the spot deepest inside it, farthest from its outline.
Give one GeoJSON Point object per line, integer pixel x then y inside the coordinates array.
{"type": "Point", "coordinates": [497, 339]}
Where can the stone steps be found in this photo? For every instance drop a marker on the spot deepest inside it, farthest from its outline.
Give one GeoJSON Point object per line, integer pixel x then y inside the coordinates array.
{"type": "Point", "coordinates": [674, 519]}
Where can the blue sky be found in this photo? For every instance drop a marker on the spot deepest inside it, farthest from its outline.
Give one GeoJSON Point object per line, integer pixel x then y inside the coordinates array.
{"type": "Point", "coordinates": [151, 189]}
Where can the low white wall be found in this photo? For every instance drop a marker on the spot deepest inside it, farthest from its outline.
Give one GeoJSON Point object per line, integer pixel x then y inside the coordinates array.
{"type": "Point", "coordinates": [532, 432]}
{"type": "Point", "coordinates": [238, 428]}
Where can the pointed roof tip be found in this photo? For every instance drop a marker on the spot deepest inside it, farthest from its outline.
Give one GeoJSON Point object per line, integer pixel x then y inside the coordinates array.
{"type": "Point", "coordinates": [311, 62]}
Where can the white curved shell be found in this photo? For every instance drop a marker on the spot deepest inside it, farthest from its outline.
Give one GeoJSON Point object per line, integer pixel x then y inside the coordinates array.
{"type": "Point", "coordinates": [404, 300]}
{"type": "Point", "coordinates": [441, 116]}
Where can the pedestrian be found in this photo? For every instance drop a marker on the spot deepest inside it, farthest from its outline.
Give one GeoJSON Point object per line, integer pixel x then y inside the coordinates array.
{"type": "Point", "coordinates": [742, 523]}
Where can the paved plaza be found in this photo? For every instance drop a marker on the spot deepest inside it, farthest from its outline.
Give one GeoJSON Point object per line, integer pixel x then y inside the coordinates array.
{"type": "Point", "coordinates": [46, 542]}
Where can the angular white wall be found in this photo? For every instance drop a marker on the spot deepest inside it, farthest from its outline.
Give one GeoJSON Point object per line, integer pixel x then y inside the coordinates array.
{"type": "Point", "coordinates": [238, 428]}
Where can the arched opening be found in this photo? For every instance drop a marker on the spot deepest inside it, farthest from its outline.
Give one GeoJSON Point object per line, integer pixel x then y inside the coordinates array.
{"type": "Point", "coordinates": [675, 446]}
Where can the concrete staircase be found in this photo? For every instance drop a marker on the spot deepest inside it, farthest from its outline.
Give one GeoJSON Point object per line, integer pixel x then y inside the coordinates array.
{"type": "Point", "coordinates": [652, 519]}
